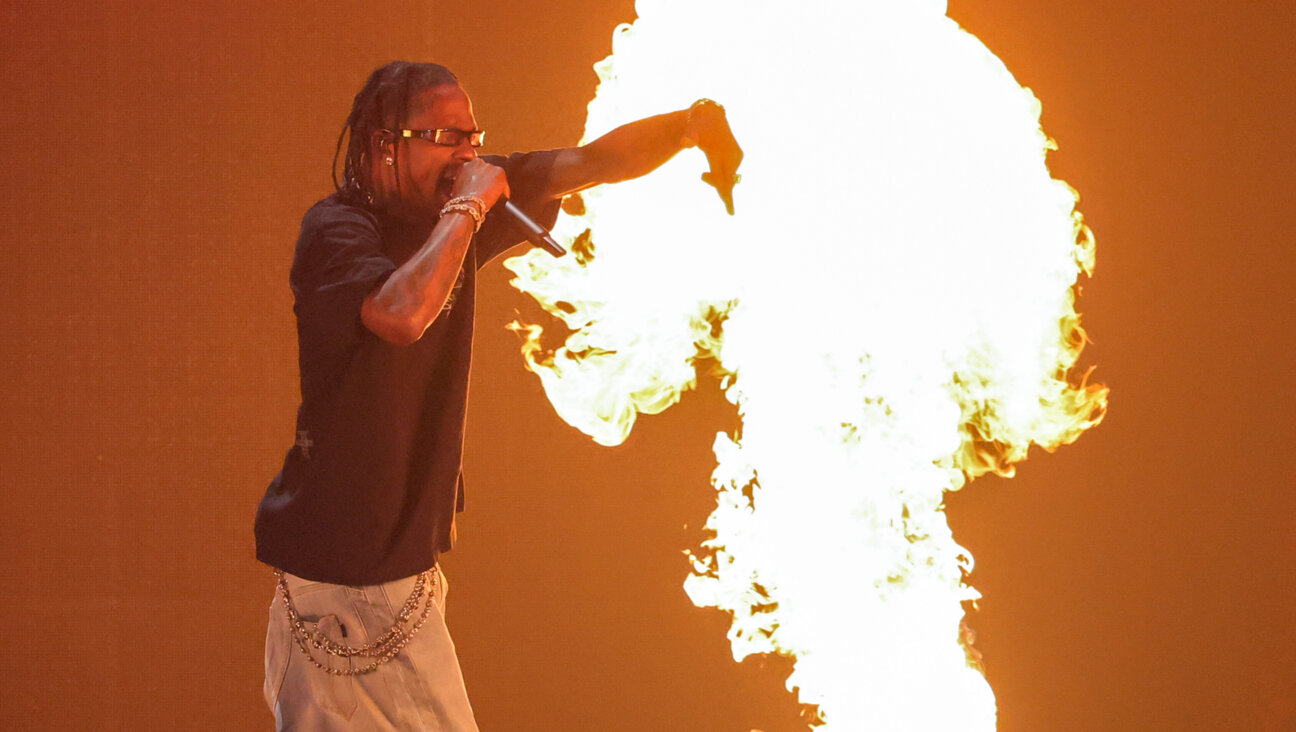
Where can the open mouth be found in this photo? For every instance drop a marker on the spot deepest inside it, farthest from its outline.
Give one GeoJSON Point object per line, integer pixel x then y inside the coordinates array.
{"type": "Point", "coordinates": [446, 184]}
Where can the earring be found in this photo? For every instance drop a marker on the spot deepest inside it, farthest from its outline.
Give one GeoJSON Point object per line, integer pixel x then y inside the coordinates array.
{"type": "Point", "coordinates": [389, 160]}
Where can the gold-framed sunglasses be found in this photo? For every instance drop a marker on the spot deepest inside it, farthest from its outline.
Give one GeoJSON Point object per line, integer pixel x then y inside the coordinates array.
{"type": "Point", "coordinates": [448, 137]}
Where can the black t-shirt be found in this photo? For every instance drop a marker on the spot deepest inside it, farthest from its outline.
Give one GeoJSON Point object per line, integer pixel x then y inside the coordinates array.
{"type": "Point", "coordinates": [369, 490]}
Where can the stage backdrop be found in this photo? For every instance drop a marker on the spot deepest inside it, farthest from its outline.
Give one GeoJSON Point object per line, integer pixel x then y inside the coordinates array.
{"type": "Point", "coordinates": [158, 157]}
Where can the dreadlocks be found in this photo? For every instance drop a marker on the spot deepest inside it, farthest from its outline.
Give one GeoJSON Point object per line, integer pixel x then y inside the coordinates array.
{"type": "Point", "coordinates": [381, 104]}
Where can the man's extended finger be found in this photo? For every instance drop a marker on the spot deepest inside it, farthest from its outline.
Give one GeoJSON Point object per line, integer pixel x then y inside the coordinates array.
{"type": "Point", "coordinates": [724, 186]}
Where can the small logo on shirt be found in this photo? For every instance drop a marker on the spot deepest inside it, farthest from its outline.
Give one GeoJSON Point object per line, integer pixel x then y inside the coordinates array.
{"type": "Point", "coordinates": [304, 443]}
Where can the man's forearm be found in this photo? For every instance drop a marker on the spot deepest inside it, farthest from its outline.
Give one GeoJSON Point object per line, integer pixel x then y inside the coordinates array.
{"type": "Point", "coordinates": [642, 146]}
{"type": "Point", "coordinates": [627, 152]}
{"type": "Point", "coordinates": [412, 297]}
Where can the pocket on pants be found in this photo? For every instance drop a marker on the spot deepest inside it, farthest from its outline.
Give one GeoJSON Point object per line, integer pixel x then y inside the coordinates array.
{"type": "Point", "coordinates": [336, 693]}
{"type": "Point", "coordinates": [440, 588]}
{"type": "Point", "coordinates": [278, 652]}
{"type": "Point", "coordinates": [305, 693]}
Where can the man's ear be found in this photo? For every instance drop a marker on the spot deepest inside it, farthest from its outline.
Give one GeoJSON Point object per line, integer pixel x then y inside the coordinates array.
{"type": "Point", "coordinates": [380, 143]}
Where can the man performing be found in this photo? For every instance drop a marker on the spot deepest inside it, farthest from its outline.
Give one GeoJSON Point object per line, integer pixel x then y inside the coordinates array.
{"type": "Point", "coordinates": [383, 280]}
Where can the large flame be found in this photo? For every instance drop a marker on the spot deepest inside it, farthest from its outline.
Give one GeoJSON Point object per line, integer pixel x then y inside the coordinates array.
{"type": "Point", "coordinates": [892, 309]}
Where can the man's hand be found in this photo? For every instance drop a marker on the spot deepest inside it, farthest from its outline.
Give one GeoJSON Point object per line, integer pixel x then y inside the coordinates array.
{"type": "Point", "coordinates": [482, 180]}
{"type": "Point", "coordinates": [708, 129]}
{"type": "Point", "coordinates": [402, 308]}
{"type": "Point", "coordinates": [640, 147]}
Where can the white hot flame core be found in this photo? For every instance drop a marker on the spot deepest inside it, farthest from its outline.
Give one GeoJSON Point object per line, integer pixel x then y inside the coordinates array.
{"type": "Point", "coordinates": [896, 301]}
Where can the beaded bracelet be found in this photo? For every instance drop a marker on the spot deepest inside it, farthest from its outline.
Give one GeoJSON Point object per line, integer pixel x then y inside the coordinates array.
{"type": "Point", "coordinates": [702, 103]}
{"type": "Point", "coordinates": [466, 208]}
{"type": "Point", "coordinates": [690, 136]}
{"type": "Point", "coordinates": [469, 198]}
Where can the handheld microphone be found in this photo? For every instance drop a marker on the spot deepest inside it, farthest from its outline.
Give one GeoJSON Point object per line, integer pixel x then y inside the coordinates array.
{"type": "Point", "coordinates": [535, 233]}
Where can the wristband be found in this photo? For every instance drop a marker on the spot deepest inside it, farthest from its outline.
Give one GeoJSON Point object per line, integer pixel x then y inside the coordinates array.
{"type": "Point", "coordinates": [690, 135]}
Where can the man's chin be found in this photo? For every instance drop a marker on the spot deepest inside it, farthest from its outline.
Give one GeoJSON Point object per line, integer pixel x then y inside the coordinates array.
{"type": "Point", "coordinates": [431, 206]}
{"type": "Point", "coordinates": [439, 200]}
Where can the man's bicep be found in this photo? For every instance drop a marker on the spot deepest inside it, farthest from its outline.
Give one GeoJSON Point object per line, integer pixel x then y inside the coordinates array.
{"type": "Point", "coordinates": [337, 250]}
{"type": "Point", "coordinates": [546, 174]}
{"type": "Point", "coordinates": [574, 169]}
{"type": "Point", "coordinates": [533, 189]}
{"type": "Point", "coordinates": [339, 263]}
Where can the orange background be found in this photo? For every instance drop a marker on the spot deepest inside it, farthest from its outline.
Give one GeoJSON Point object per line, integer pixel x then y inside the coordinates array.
{"type": "Point", "coordinates": [158, 157]}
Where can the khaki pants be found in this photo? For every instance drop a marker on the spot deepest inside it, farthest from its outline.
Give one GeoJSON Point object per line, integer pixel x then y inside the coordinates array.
{"type": "Point", "coordinates": [420, 689]}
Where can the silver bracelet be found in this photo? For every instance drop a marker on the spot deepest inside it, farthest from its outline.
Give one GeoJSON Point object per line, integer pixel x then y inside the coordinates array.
{"type": "Point", "coordinates": [469, 198]}
{"type": "Point", "coordinates": [689, 132]}
{"type": "Point", "coordinates": [466, 208]}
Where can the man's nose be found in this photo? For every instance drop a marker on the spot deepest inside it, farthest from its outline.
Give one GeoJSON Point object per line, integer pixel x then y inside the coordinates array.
{"type": "Point", "coordinates": [465, 151]}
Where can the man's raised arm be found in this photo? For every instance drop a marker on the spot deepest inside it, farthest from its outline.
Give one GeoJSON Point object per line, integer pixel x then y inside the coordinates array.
{"type": "Point", "coordinates": [639, 147]}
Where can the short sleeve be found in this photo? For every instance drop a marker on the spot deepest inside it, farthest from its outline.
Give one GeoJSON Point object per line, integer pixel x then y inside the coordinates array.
{"type": "Point", "coordinates": [528, 176]}
{"type": "Point", "coordinates": [339, 254]}
{"type": "Point", "coordinates": [338, 262]}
